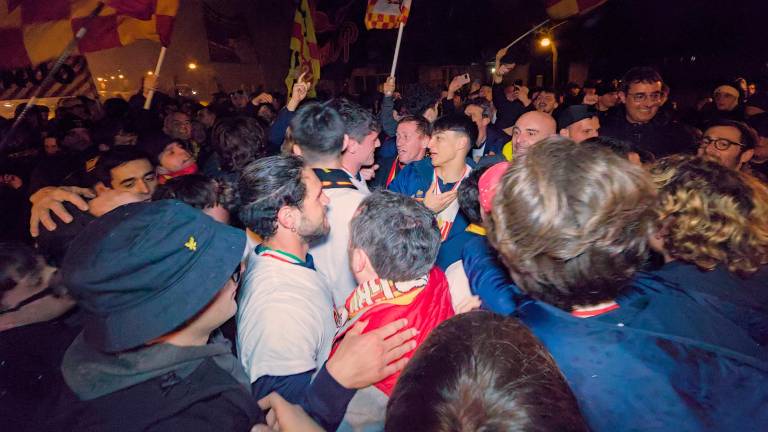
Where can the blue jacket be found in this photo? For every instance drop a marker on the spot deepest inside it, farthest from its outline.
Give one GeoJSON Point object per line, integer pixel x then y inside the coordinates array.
{"type": "Point", "coordinates": [744, 301]}
{"type": "Point", "coordinates": [415, 180]}
{"type": "Point", "coordinates": [494, 141]}
{"type": "Point", "coordinates": [648, 366]}
{"type": "Point", "coordinates": [488, 278]}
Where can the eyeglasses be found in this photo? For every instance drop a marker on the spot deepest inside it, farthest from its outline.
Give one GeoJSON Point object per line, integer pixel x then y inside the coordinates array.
{"type": "Point", "coordinates": [642, 97]}
{"type": "Point", "coordinates": [237, 274]}
{"type": "Point", "coordinates": [721, 144]}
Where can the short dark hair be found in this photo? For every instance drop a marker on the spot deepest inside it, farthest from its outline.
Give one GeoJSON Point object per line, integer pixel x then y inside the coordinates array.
{"type": "Point", "coordinates": [570, 222]}
{"type": "Point", "coordinates": [749, 137]}
{"type": "Point", "coordinates": [266, 186]}
{"type": "Point", "coordinates": [458, 123]}
{"type": "Point", "coordinates": [115, 157]}
{"type": "Point", "coordinates": [419, 97]}
{"type": "Point", "coordinates": [482, 371]}
{"type": "Point", "coordinates": [318, 130]}
{"type": "Point", "coordinates": [17, 261]}
{"type": "Point", "coordinates": [197, 190]}
{"type": "Point", "coordinates": [422, 125]}
{"type": "Point", "coordinates": [481, 102]}
{"type": "Point", "coordinates": [616, 145]}
{"type": "Point", "coordinates": [358, 121]}
{"type": "Point", "coordinates": [640, 74]}
{"type": "Point", "coordinates": [469, 195]}
{"type": "Point", "coordinates": [238, 141]}
{"type": "Point", "coordinates": [399, 235]}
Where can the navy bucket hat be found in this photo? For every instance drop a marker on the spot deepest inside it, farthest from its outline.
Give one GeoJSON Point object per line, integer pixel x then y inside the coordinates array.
{"type": "Point", "coordinates": [142, 270]}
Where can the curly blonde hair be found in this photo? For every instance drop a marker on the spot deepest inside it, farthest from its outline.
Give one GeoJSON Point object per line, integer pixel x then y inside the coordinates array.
{"type": "Point", "coordinates": [571, 221]}
{"type": "Point", "coordinates": [711, 215]}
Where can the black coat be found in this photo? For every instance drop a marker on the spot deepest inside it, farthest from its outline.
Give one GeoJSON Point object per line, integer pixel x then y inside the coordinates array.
{"type": "Point", "coordinates": [660, 137]}
{"type": "Point", "coordinates": [209, 399]}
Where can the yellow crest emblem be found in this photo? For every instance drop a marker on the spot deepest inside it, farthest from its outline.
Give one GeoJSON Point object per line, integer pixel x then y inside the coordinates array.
{"type": "Point", "coordinates": [191, 244]}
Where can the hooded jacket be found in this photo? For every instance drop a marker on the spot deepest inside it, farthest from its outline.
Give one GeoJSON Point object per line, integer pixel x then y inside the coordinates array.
{"type": "Point", "coordinates": [159, 387]}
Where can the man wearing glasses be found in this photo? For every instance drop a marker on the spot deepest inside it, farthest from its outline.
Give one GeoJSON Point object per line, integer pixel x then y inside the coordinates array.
{"type": "Point", "coordinates": [731, 143]}
{"type": "Point", "coordinates": [640, 123]}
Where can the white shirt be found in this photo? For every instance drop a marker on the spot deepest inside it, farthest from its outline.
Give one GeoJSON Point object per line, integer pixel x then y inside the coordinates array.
{"type": "Point", "coordinates": [285, 322]}
{"type": "Point", "coordinates": [331, 253]}
{"type": "Point", "coordinates": [458, 284]}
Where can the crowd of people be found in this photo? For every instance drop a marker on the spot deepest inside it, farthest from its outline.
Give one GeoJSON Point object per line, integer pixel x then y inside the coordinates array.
{"type": "Point", "coordinates": [489, 257]}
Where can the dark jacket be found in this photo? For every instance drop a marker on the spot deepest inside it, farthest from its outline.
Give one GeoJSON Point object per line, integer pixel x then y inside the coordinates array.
{"type": "Point", "coordinates": [494, 141]}
{"type": "Point", "coordinates": [661, 136]}
{"type": "Point", "coordinates": [651, 365]}
{"type": "Point", "coordinates": [30, 357]}
{"type": "Point", "coordinates": [488, 278]}
{"type": "Point", "coordinates": [744, 301]}
{"type": "Point", "coordinates": [157, 388]}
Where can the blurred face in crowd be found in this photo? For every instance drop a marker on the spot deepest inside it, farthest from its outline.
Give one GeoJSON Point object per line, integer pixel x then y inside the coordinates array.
{"type": "Point", "coordinates": [239, 99]}
{"type": "Point", "coordinates": [137, 176]}
{"type": "Point", "coordinates": [175, 157]}
{"type": "Point", "coordinates": [761, 151]}
{"type": "Point", "coordinates": [476, 114]}
{"type": "Point", "coordinates": [445, 146]}
{"type": "Point", "coordinates": [51, 146]}
{"type": "Point", "coordinates": [314, 222]}
{"type": "Point", "coordinates": [126, 138]}
{"type": "Point", "coordinates": [77, 139]}
{"type": "Point", "coordinates": [529, 129]}
{"type": "Point", "coordinates": [181, 126]}
{"type": "Point", "coordinates": [608, 100]}
{"type": "Point", "coordinates": [411, 144]}
{"type": "Point", "coordinates": [642, 100]}
{"type": "Point", "coordinates": [545, 102]}
{"type": "Point", "coordinates": [723, 144]}
{"type": "Point", "coordinates": [206, 117]}
{"type": "Point", "coordinates": [487, 92]}
{"type": "Point", "coordinates": [725, 101]}
{"type": "Point", "coordinates": [582, 129]}
{"type": "Point", "coordinates": [362, 152]}
{"type": "Point", "coordinates": [752, 89]}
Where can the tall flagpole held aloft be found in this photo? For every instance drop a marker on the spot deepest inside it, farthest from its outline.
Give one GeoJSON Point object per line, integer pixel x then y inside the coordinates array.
{"type": "Point", "coordinates": [151, 94]}
{"type": "Point", "coordinates": [397, 48]}
{"type": "Point", "coordinates": [49, 78]}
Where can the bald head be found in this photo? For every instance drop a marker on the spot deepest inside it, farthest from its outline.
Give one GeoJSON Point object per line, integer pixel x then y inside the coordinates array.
{"type": "Point", "coordinates": [531, 128]}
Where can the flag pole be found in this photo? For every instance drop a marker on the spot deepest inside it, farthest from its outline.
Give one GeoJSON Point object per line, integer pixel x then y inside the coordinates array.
{"type": "Point", "coordinates": [397, 48]}
{"type": "Point", "coordinates": [158, 66]}
{"type": "Point", "coordinates": [527, 33]}
{"type": "Point", "coordinates": [50, 77]}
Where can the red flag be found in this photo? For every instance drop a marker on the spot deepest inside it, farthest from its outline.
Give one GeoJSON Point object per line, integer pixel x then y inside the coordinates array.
{"type": "Point", "coordinates": [562, 9]}
{"type": "Point", "coordinates": [34, 31]}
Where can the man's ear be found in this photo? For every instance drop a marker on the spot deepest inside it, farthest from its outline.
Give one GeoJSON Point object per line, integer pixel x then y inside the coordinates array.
{"type": "Point", "coordinates": [347, 143]}
{"type": "Point", "coordinates": [358, 259]}
{"type": "Point", "coordinates": [746, 156]}
{"type": "Point", "coordinates": [295, 149]}
{"type": "Point", "coordinates": [623, 97]}
{"type": "Point", "coordinates": [286, 217]}
{"type": "Point", "coordinates": [100, 188]}
{"type": "Point", "coordinates": [564, 132]}
{"type": "Point", "coordinates": [486, 121]}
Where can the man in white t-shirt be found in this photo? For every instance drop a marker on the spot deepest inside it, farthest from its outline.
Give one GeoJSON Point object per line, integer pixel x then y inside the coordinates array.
{"type": "Point", "coordinates": [318, 133]}
{"type": "Point", "coordinates": [285, 322]}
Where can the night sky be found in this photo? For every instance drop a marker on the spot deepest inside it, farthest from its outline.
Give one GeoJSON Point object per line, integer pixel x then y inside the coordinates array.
{"type": "Point", "coordinates": [693, 42]}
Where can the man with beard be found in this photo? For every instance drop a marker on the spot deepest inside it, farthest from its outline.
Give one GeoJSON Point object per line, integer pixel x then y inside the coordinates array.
{"type": "Point", "coordinates": [285, 322]}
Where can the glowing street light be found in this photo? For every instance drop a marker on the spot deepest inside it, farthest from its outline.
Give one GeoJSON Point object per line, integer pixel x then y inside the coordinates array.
{"type": "Point", "coordinates": [192, 66]}
{"type": "Point", "coordinates": [121, 76]}
{"type": "Point", "coordinates": [545, 42]}
{"type": "Point", "coordinates": [99, 79]}
{"type": "Point", "coordinates": [150, 73]}
{"type": "Point", "coordinates": [112, 77]}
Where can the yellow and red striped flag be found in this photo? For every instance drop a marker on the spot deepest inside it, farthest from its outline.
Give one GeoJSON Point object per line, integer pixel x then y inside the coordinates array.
{"type": "Point", "coordinates": [34, 31]}
{"type": "Point", "coordinates": [387, 14]}
{"type": "Point", "coordinates": [562, 9]}
{"type": "Point", "coordinates": [305, 53]}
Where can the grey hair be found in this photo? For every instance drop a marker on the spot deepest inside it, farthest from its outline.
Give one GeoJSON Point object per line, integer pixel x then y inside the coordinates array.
{"type": "Point", "coordinates": [399, 235]}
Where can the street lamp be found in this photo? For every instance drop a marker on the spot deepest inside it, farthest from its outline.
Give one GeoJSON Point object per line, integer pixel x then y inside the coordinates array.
{"type": "Point", "coordinates": [192, 66]}
{"type": "Point", "coordinates": [547, 41]}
